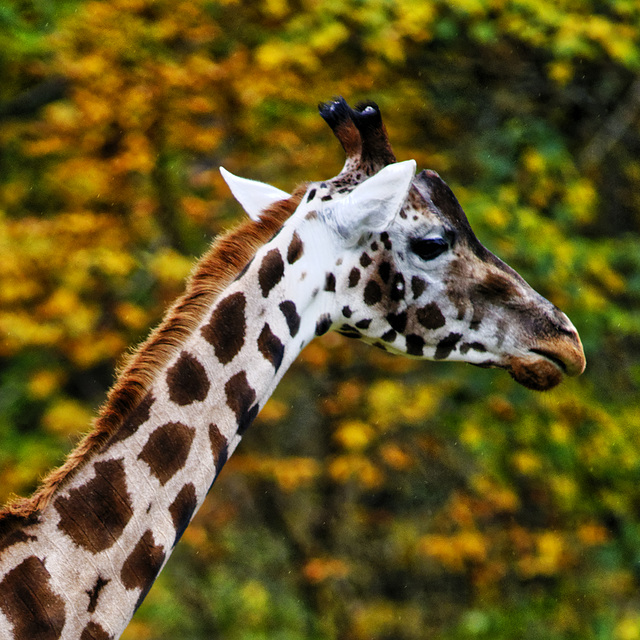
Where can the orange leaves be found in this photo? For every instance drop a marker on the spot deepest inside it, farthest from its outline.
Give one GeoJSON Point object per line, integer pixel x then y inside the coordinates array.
{"type": "Point", "coordinates": [455, 551]}
{"type": "Point", "coordinates": [548, 555]}
{"type": "Point", "coordinates": [321, 569]}
{"type": "Point", "coordinates": [359, 468]}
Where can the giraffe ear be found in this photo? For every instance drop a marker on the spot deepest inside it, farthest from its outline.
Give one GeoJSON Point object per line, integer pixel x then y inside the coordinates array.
{"type": "Point", "coordinates": [254, 196]}
{"type": "Point", "coordinates": [373, 204]}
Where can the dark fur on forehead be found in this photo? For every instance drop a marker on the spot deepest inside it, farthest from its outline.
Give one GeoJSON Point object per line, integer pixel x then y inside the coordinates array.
{"type": "Point", "coordinates": [434, 189]}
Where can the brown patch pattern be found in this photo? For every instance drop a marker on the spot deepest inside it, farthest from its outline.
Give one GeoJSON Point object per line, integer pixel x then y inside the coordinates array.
{"type": "Point", "coordinates": [142, 566]}
{"type": "Point", "coordinates": [295, 250]}
{"type": "Point", "coordinates": [496, 288]}
{"type": "Point", "coordinates": [475, 346]}
{"type": "Point", "coordinates": [415, 344]}
{"type": "Point", "coordinates": [270, 346]}
{"type": "Point", "coordinates": [365, 260]}
{"type": "Point", "coordinates": [430, 316]}
{"type": "Point", "coordinates": [330, 282]}
{"type": "Point", "coordinates": [93, 631]}
{"type": "Point", "coordinates": [29, 603]}
{"type": "Point", "coordinates": [397, 287]}
{"type": "Point", "coordinates": [182, 508]}
{"type": "Point", "coordinates": [187, 380]}
{"type": "Point", "coordinates": [372, 293]}
{"type": "Point", "coordinates": [398, 321]}
{"type": "Point", "coordinates": [134, 421]}
{"type": "Point", "coordinates": [290, 314]}
{"type": "Point", "coordinates": [218, 447]}
{"type": "Point", "coordinates": [226, 329]}
{"type": "Point", "coordinates": [323, 324]}
{"type": "Point", "coordinates": [389, 336]}
{"type": "Point", "coordinates": [95, 514]}
{"type": "Point", "coordinates": [446, 346]}
{"type": "Point", "coordinates": [15, 537]}
{"type": "Point", "coordinates": [270, 272]}
{"type": "Point", "coordinates": [384, 271]}
{"type": "Point", "coordinates": [94, 593]}
{"type": "Point", "coordinates": [167, 449]}
{"type": "Point", "coordinates": [241, 399]}
{"type": "Point", "coordinates": [418, 285]}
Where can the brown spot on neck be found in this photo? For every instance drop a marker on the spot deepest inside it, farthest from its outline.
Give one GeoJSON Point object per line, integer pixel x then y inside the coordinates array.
{"type": "Point", "coordinates": [182, 508]}
{"type": "Point", "coordinates": [187, 380]}
{"type": "Point", "coordinates": [167, 449]}
{"type": "Point", "coordinates": [225, 331]}
{"type": "Point", "coordinates": [14, 537]}
{"type": "Point", "coordinates": [142, 566]}
{"type": "Point", "coordinates": [95, 514]}
{"type": "Point", "coordinates": [29, 603]}
{"type": "Point", "coordinates": [94, 631]}
{"type": "Point", "coordinates": [271, 271]}
{"type": "Point", "coordinates": [241, 399]}
{"type": "Point", "coordinates": [134, 421]}
{"type": "Point", "coordinates": [295, 250]}
{"type": "Point", "coordinates": [270, 346]}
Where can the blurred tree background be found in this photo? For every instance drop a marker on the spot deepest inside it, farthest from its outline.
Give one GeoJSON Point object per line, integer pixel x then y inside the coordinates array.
{"type": "Point", "coordinates": [375, 498]}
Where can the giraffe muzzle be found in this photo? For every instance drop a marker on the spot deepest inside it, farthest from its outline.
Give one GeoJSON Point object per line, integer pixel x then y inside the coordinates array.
{"type": "Point", "coordinates": [549, 362]}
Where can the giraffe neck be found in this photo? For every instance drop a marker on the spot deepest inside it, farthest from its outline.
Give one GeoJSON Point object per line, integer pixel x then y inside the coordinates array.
{"type": "Point", "coordinates": [97, 547]}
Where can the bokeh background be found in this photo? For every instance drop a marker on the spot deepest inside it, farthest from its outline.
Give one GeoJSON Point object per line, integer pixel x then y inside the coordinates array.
{"type": "Point", "coordinates": [375, 498]}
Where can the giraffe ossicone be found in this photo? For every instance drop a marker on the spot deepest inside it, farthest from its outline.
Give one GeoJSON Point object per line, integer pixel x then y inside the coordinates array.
{"type": "Point", "coordinates": [376, 253]}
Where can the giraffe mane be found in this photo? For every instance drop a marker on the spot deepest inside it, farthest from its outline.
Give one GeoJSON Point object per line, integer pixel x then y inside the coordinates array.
{"type": "Point", "coordinates": [224, 260]}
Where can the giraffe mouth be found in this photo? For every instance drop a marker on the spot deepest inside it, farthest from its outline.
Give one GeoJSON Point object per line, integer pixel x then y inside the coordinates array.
{"type": "Point", "coordinates": [553, 358]}
{"type": "Point", "coordinates": [540, 374]}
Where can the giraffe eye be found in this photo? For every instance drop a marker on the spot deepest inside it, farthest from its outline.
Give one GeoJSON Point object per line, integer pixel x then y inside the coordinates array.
{"type": "Point", "coordinates": [428, 248]}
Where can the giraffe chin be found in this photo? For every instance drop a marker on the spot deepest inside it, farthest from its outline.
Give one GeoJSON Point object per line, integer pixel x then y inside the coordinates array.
{"type": "Point", "coordinates": [538, 375]}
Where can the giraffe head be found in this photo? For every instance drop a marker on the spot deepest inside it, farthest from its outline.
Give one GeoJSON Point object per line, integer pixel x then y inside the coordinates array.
{"type": "Point", "coordinates": [410, 275]}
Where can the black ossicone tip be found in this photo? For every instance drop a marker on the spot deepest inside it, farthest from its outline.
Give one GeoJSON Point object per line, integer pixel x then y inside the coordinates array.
{"type": "Point", "coordinates": [335, 112]}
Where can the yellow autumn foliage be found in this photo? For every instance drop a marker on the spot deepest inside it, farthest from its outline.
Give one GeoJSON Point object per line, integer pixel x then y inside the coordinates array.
{"type": "Point", "coordinates": [67, 417]}
{"type": "Point", "coordinates": [394, 485]}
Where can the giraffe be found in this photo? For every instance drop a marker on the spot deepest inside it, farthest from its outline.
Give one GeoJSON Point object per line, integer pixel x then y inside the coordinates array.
{"type": "Point", "coordinates": [376, 253]}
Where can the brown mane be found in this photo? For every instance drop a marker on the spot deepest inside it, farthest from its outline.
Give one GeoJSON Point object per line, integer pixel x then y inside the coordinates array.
{"type": "Point", "coordinates": [228, 255]}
